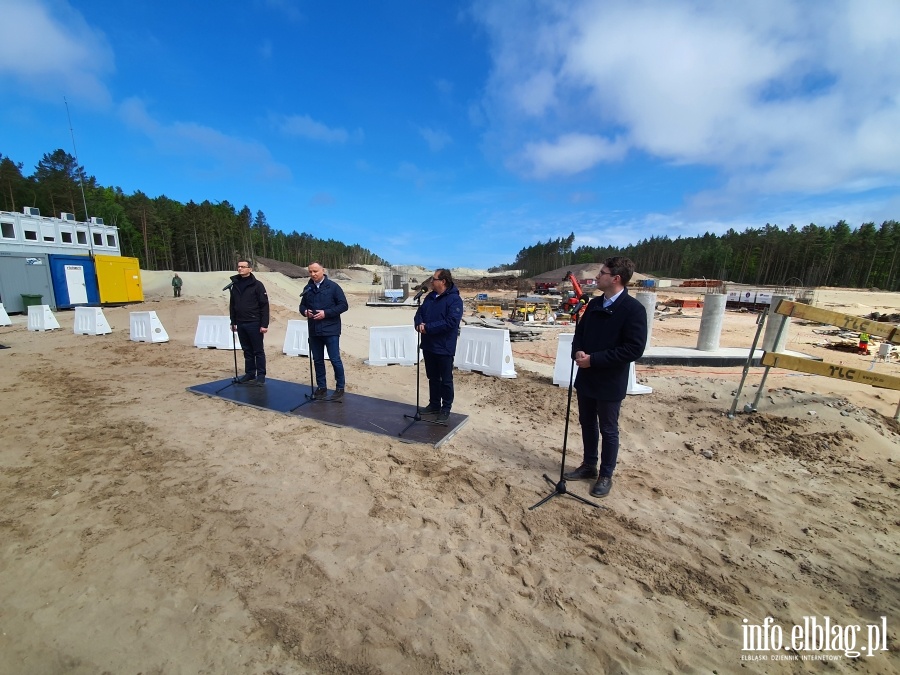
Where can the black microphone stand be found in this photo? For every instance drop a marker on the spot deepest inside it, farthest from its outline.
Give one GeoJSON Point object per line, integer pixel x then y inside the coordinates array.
{"type": "Point", "coordinates": [233, 348]}
{"type": "Point", "coordinates": [418, 416]}
{"type": "Point", "coordinates": [308, 398]}
{"type": "Point", "coordinates": [560, 487]}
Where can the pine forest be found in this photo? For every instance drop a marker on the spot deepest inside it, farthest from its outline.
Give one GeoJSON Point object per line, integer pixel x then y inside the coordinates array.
{"type": "Point", "coordinates": [166, 234]}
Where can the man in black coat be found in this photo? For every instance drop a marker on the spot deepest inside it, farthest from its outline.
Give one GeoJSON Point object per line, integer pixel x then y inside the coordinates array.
{"type": "Point", "coordinates": [610, 335]}
{"type": "Point", "coordinates": [249, 310]}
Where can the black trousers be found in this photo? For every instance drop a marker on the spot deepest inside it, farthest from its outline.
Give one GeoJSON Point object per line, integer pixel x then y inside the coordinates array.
{"type": "Point", "coordinates": [252, 344]}
{"type": "Point", "coordinates": [439, 371]}
{"type": "Point", "coordinates": [599, 419]}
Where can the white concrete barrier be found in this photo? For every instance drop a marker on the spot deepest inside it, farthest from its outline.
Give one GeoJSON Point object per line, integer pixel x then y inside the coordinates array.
{"type": "Point", "coordinates": [90, 321]}
{"type": "Point", "coordinates": [633, 387]}
{"type": "Point", "coordinates": [485, 350]}
{"type": "Point", "coordinates": [563, 365]}
{"type": "Point", "coordinates": [392, 345]}
{"type": "Point", "coordinates": [296, 340]}
{"type": "Point", "coordinates": [41, 318]}
{"type": "Point", "coordinates": [214, 332]}
{"type": "Point", "coordinates": [146, 327]}
{"type": "Point", "coordinates": [4, 317]}
{"type": "Point", "coordinates": [562, 369]}
{"type": "Point", "coordinates": [886, 350]}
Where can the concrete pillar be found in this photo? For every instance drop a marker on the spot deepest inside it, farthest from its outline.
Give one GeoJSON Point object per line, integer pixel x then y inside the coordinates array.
{"type": "Point", "coordinates": [648, 300]}
{"type": "Point", "coordinates": [711, 322]}
{"type": "Point", "coordinates": [773, 323]}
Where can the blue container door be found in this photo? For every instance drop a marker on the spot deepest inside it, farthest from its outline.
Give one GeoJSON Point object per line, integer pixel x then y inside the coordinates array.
{"type": "Point", "coordinates": [74, 280]}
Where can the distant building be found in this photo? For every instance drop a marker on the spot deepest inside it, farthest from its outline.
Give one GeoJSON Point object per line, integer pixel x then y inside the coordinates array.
{"type": "Point", "coordinates": [30, 232]}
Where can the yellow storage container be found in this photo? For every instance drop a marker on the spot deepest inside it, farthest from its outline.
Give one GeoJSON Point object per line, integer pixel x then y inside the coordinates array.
{"type": "Point", "coordinates": [495, 310]}
{"type": "Point", "coordinates": [119, 279]}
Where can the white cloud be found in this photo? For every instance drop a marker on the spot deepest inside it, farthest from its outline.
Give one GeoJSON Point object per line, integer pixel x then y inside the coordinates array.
{"type": "Point", "coordinates": [777, 95]}
{"type": "Point", "coordinates": [569, 154]}
{"type": "Point", "coordinates": [204, 146]}
{"type": "Point", "coordinates": [54, 53]}
{"type": "Point", "coordinates": [303, 126]}
{"type": "Point", "coordinates": [436, 139]}
{"type": "Point", "coordinates": [536, 94]}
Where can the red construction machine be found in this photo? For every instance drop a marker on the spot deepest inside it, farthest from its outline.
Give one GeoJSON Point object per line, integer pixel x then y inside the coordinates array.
{"type": "Point", "coordinates": [573, 301]}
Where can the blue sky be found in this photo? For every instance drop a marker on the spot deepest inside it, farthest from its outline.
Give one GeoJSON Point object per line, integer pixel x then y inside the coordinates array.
{"type": "Point", "coordinates": [453, 134]}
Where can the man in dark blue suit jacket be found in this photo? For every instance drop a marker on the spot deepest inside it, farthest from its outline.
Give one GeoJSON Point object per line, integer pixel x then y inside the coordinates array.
{"type": "Point", "coordinates": [322, 304]}
{"type": "Point", "coordinates": [610, 335]}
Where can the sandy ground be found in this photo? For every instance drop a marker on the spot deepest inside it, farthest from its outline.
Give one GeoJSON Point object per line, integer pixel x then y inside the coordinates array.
{"type": "Point", "coordinates": [148, 530]}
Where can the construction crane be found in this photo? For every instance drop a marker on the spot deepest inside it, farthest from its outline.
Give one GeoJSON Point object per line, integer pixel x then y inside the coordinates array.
{"type": "Point", "coordinates": [573, 302]}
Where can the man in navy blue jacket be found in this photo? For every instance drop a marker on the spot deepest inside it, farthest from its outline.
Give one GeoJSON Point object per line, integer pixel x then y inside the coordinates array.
{"type": "Point", "coordinates": [437, 320]}
{"type": "Point", "coordinates": [322, 303]}
{"type": "Point", "coordinates": [610, 335]}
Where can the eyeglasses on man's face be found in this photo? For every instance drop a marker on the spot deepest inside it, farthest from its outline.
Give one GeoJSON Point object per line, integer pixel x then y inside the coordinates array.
{"type": "Point", "coordinates": [607, 272]}
{"type": "Point", "coordinates": [241, 267]}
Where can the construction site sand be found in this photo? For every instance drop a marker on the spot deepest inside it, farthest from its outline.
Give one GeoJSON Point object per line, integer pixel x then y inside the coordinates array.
{"type": "Point", "coordinates": [146, 529]}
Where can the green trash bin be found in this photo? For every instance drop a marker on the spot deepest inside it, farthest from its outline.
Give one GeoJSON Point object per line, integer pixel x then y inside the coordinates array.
{"type": "Point", "coordinates": [31, 300]}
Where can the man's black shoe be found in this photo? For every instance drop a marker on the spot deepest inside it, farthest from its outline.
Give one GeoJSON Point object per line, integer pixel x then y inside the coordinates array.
{"type": "Point", "coordinates": [602, 486]}
{"type": "Point", "coordinates": [443, 416]}
{"type": "Point", "coordinates": [582, 473]}
{"type": "Point", "coordinates": [260, 380]}
{"type": "Point", "coordinates": [244, 379]}
{"type": "Point", "coordinates": [320, 394]}
{"type": "Point", "coordinates": [338, 395]}
{"type": "Point", "coordinates": [430, 410]}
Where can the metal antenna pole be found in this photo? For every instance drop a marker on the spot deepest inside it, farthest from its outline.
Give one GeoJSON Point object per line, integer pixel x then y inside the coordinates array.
{"type": "Point", "coordinates": [87, 218]}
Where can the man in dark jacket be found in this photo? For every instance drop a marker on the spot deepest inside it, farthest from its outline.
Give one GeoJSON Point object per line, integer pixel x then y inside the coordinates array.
{"type": "Point", "coordinates": [322, 303]}
{"type": "Point", "coordinates": [437, 320]}
{"type": "Point", "coordinates": [611, 335]}
{"type": "Point", "coordinates": [249, 310]}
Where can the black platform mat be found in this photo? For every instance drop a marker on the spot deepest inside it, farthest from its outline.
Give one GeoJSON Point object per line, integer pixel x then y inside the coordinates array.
{"type": "Point", "coordinates": [363, 413]}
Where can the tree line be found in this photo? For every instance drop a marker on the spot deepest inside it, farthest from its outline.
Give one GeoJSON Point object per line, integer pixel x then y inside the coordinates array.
{"type": "Point", "coordinates": [838, 255]}
{"type": "Point", "coordinates": [166, 234]}
{"type": "Point", "coordinates": [163, 233]}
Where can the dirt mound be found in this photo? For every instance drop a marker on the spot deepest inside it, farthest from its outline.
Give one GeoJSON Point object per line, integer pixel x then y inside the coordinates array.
{"type": "Point", "coordinates": [491, 284]}
{"type": "Point", "coordinates": [287, 269]}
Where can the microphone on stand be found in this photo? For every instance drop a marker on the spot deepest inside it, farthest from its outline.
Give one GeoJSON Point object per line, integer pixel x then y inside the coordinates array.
{"type": "Point", "coordinates": [422, 290]}
{"type": "Point", "coordinates": [302, 293]}
{"type": "Point", "coordinates": [228, 287]}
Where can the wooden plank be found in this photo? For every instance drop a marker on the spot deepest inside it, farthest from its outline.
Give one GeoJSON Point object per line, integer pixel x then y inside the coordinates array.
{"type": "Point", "coordinates": [846, 321]}
{"type": "Point", "coordinates": [796, 363]}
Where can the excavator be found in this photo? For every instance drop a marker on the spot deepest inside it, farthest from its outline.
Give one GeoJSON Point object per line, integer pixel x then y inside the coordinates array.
{"type": "Point", "coordinates": [573, 302]}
